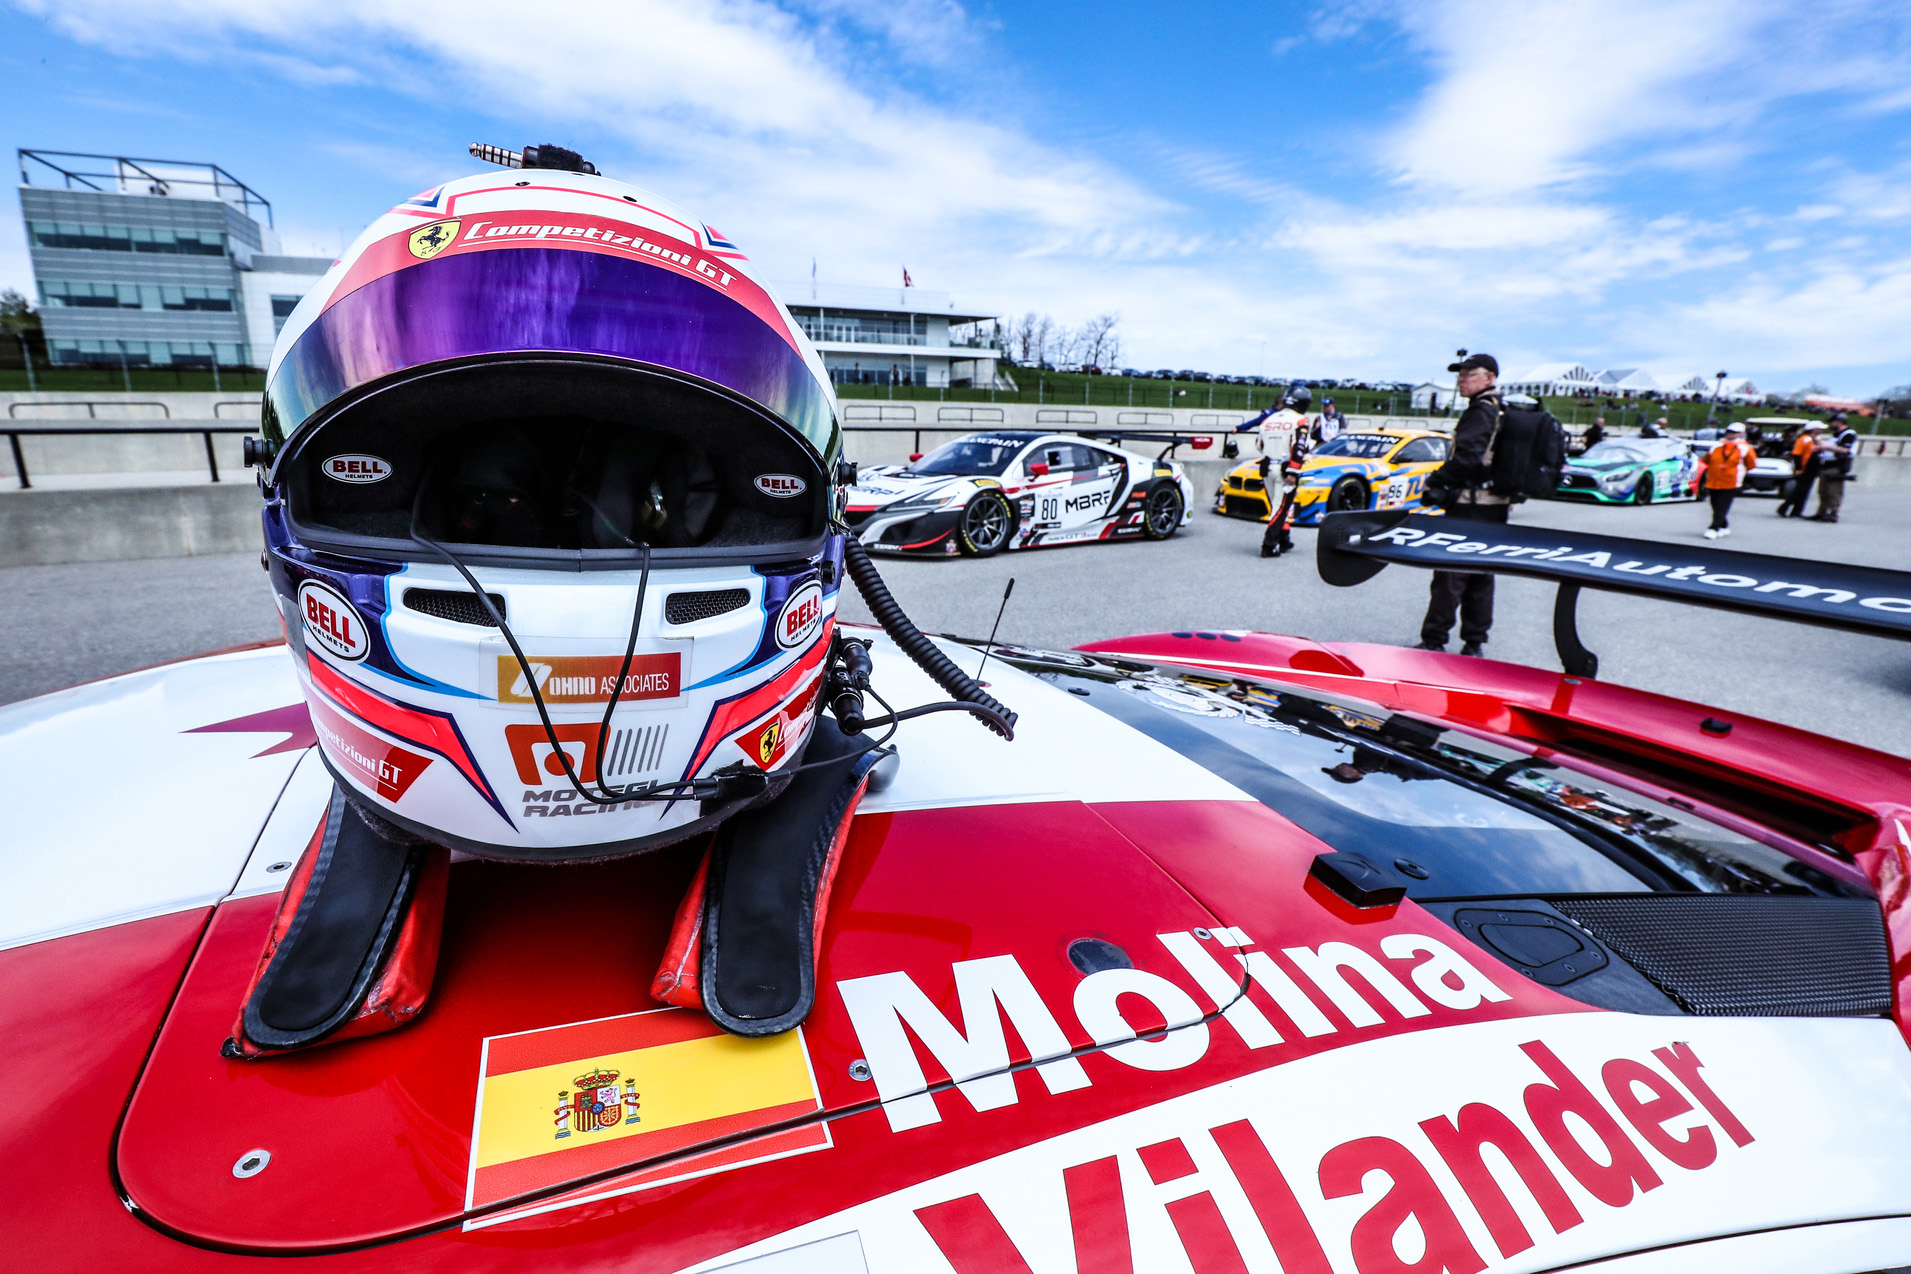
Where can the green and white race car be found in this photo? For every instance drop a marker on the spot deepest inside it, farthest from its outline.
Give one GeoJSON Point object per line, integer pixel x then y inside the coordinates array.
{"type": "Point", "coordinates": [1632, 471]}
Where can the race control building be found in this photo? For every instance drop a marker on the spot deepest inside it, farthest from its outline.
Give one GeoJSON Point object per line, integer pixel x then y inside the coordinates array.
{"type": "Point", "coordinates": [896, 336]}
{"type": "Point", "coordinates": [155, 263]}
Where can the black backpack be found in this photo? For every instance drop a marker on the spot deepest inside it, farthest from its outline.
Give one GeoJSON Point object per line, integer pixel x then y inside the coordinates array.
{"type": "Point", "coordinates": [1529, 449]}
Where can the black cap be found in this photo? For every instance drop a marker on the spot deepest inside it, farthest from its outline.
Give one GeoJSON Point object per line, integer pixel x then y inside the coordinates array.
{"type": "Point", "coordinates": [1471, 361]}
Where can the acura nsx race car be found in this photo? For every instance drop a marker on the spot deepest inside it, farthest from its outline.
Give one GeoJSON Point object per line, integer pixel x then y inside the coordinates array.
{"type": "Point", "coordinates": [1632, 471]}
{"type": "Point", "coordinates": [1368, 469]}
{"type": "Point", "coordinates": [1246, 953]}
{"type": "Point", "coordinates": [1017, 489]}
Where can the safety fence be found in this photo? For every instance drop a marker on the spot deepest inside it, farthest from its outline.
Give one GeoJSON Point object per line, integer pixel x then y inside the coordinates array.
{"type": "Point", "coordinates": [205, 431]}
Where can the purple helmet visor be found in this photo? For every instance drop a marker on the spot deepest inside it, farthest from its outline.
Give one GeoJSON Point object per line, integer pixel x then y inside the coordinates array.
{"type": "Point", "coordinates": [545, 300]}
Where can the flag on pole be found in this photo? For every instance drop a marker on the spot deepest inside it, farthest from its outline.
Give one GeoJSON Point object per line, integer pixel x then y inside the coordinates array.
{"type": "Point", "coordinates": [906, 280]}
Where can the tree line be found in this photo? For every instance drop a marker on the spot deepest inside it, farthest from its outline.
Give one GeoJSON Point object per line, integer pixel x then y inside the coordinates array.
{"type": "Point", "coordinates": [1037, 340]}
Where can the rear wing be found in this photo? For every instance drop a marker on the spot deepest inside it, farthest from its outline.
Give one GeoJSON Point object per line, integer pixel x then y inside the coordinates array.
{"type": "Point", "coordinates": [1354, 547]}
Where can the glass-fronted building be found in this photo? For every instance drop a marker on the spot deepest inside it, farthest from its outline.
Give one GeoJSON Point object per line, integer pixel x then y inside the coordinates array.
{"type": "Point", "coordinates": [896, 336]}
{"type": "Point", "coordinates": [155, 262]}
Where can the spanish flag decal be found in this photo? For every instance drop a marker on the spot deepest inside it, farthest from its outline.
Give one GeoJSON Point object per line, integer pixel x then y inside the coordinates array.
{"type": "Point", "coordinates": [566, 1102]}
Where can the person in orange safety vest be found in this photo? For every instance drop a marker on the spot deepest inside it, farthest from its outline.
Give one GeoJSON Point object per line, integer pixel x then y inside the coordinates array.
{"type": "Point", "coordinates": [1725, 467]}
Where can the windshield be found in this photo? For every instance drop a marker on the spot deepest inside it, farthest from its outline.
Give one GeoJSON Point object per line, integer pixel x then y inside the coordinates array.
{"type": "Point", "coordinates": [980, 454]}
{"type": "Point", "coordinates": [1476, 817]}
{"type": "Point", "coordinates": [1358, 446]}
{"type": "Point", "coordinates": [1613, 453]}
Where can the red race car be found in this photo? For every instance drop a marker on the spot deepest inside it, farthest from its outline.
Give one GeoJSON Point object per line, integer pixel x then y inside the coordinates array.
{"type": "Point", "coordinates": [1246, 954]}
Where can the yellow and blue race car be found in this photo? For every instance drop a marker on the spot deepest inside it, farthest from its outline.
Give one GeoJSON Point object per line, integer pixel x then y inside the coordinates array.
{"type": "Point", "coordinates": [1360, 469]}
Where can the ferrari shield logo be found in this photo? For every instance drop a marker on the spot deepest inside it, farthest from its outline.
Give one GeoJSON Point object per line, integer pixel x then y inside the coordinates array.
{"type": "Point", "coordinates": [769, 742]}
{"type": "Point", "coordinates": [428, 241]}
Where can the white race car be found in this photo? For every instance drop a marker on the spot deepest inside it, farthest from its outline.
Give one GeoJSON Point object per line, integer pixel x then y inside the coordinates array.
{"type": "Point", "coordinates": [1017, 489]}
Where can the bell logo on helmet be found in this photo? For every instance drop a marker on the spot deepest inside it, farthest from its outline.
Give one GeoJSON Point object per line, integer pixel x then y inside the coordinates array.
{"type": "Point", "coordinates": [332, 621]}
{"type": "Point", "coordinates": [427, 242]}
{"type": "Point", "coordinates": [781, 485]}
{"type": "Point", "coordinates": [800, 616]}
{"type": "Point", "coordinates": [356, 469]}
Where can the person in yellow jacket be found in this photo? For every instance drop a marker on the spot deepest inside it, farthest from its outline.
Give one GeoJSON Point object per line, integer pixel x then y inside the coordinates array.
{"type": "Point", "coordinates": [1725, 468]}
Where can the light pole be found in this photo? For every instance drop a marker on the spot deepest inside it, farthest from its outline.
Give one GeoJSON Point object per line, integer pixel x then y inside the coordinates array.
{"type": "Point", "coordinates": [1718, 388]}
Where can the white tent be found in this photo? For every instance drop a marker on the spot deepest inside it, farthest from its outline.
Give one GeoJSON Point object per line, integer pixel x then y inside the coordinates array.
{"type": "Point", "coordinates": [1428, 396]}
{"type": "Point", "coordinates": [1627, 382]}
{"type": "Point", "coordinates": [1554, 380]}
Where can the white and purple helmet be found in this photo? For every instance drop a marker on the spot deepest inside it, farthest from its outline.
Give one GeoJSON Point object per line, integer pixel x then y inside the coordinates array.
{"type": "Point", "coordinates": [578, 398]}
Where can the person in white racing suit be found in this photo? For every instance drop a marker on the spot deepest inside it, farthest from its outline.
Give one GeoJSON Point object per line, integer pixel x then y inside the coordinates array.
{"type": "Point", "coordinates": [1287, 434]}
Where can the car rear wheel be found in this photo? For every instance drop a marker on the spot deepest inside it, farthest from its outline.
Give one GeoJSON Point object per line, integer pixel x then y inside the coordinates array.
{"type": "Point", "coordinates": [1348, 495]}
{"type": "Point", "coordinates": [1161, 514]}
{"type": "Point", "coordinates": [983, 529]}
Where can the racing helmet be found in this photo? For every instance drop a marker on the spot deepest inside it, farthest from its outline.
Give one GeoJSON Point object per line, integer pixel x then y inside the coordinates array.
{"type": "Point", "coordinates": [549, 479]}
{"type": "Point", "coordinates": [1297, 398]}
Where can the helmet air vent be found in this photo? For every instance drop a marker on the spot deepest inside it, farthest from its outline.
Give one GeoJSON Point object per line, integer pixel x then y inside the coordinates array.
{"type": "Point", "coordinates": [453, 604]}
{"type": "Point", "coordinates": [688, 608]}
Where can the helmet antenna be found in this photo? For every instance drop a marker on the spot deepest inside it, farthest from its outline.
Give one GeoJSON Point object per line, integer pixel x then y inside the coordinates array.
{"type": "Point", "coordinates": [992, 630]}
{"type": "Point", "coordinates": [545, 156]}
{"type": "Point", "coordinates": [496, 155]}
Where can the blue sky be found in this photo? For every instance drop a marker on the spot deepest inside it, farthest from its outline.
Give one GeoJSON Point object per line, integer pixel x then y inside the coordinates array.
{"type": "Point", "coordinates": [1348, 188]}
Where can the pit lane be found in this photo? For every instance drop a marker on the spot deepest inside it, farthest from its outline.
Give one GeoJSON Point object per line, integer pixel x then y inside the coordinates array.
{"type": "Point", "coordinates": [63, 624]}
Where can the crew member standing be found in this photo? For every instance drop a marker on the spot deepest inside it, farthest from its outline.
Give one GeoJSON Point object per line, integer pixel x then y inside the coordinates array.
{"type": "Point", "coordinates": [1725, 468]}
{"type": "Point", "coordinates": [1834, 468]}
{"type": "Point", "coordinates": [1804, 471]}
{"type": "Point", "coordinates": [1330, 424]}
{"type": "Point", "coordinates": [1460, 485]}
{"type": "Point", "coordinates": [1285, 443]}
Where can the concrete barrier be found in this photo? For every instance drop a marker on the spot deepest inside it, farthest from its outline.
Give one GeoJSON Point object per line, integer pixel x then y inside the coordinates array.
{"type": "Point", "coordinates": [38, 528]}
{"type": "Point", "coordinates": [1883, 471]}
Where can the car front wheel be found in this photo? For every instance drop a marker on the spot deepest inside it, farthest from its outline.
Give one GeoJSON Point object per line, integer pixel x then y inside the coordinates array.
{"type": "Point", "coordinates": [1349, 495]}
{"type": "Point", "coordinates": [1161, 514]}
{"type": "Point", "coordinates": [1642, 493]}
{"type": "Point", "coordinates": [983, 529]}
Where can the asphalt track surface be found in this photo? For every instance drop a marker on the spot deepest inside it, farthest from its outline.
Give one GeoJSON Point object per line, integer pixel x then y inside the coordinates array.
{"type": "Point", "coordinates": [60, 625]}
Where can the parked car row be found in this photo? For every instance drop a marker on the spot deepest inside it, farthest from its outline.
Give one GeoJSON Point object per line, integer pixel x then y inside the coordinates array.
{"type": "Point", "coordinates": [1015, 489]}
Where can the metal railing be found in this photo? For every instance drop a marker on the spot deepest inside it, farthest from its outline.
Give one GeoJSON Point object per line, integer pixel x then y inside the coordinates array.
{"type": "Point", "coordinates": [205, 431]}
{"type": "Point", "coordinates": [91, 404]}
{"type": "Point", "coordinates": [250, 406]}
{"type": "Point", "coordinates": [1198, 439]}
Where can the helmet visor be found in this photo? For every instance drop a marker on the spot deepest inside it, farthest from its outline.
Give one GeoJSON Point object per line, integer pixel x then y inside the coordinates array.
{"type": "Point", "coordinates": [539, 461]}
{"type": "Point", "coordinates": [549, 300]}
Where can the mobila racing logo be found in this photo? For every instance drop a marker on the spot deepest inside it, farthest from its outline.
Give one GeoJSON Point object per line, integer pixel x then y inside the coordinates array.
{"type": "Point", "coordinates": [332, 621]}
{"type": "Point", "coordinates": [427, 242]}
{"type": "Point", "coordinates": [800, 616]}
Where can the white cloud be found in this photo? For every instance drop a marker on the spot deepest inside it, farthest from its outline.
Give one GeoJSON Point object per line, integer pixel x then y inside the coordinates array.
{"type": "Point", "coordinates": [1498, 215]}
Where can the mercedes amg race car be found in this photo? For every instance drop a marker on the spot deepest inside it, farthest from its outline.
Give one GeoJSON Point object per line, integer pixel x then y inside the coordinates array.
{"type": "Point", "coordinates": [1632, 471]}
{"type": "Point", "coordinates": [1246, 953]}
{"type": "Point", "coordinates": [1367, 469]}
{"type": "Point", "coordinates": [1017, 489]}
